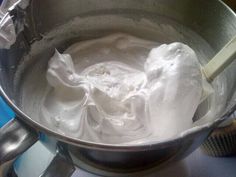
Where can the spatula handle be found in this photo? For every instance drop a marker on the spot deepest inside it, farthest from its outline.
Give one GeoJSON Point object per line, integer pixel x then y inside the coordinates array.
{"type": "Point", "coordinates": [222, 59]}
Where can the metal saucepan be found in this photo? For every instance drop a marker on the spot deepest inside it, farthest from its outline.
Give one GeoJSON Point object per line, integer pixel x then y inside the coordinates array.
{"type": "Point", "coordinates": [212, 20]}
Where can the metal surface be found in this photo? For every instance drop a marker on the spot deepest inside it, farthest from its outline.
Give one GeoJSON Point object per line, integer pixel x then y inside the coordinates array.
{"type": "Point", "coordinates": [59, 167]}
{"type": "Point", "coordinates": [195, 165]}
{"type": "Point", "coordinates": [211, 19]}
{"type": "Point", "coordinates": [14, 139]}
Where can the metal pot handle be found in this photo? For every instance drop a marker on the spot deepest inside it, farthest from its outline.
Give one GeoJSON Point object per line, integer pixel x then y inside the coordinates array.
{"type": "Point", "coordinates": [15, 138]}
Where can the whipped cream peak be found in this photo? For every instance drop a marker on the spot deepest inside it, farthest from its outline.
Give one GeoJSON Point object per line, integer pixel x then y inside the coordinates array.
{"type": "Point", "coordinates": [60, 65]}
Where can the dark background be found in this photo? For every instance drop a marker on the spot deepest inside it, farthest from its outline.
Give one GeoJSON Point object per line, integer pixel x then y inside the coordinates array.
{"type": "Point", "coordinates": [231, 3]}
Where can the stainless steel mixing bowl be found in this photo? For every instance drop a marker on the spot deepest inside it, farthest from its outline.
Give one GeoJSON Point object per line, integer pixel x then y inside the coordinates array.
{"type": "Point", "coordinates": [211, 19]}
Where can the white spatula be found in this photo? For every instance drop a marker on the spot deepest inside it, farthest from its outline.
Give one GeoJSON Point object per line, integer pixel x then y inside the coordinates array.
{"type": "Point", "coordinates": [213, 68]}
{"type": "Point", "coordinates": [222, 59]}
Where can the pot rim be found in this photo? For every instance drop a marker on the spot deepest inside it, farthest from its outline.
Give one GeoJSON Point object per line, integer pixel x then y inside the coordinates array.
{"type": "Point", "coordinates": [112, 147]}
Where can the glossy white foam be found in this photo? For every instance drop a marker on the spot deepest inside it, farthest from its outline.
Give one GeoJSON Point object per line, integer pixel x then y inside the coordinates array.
{"type": "Point", "coordinates": [122, 89]}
